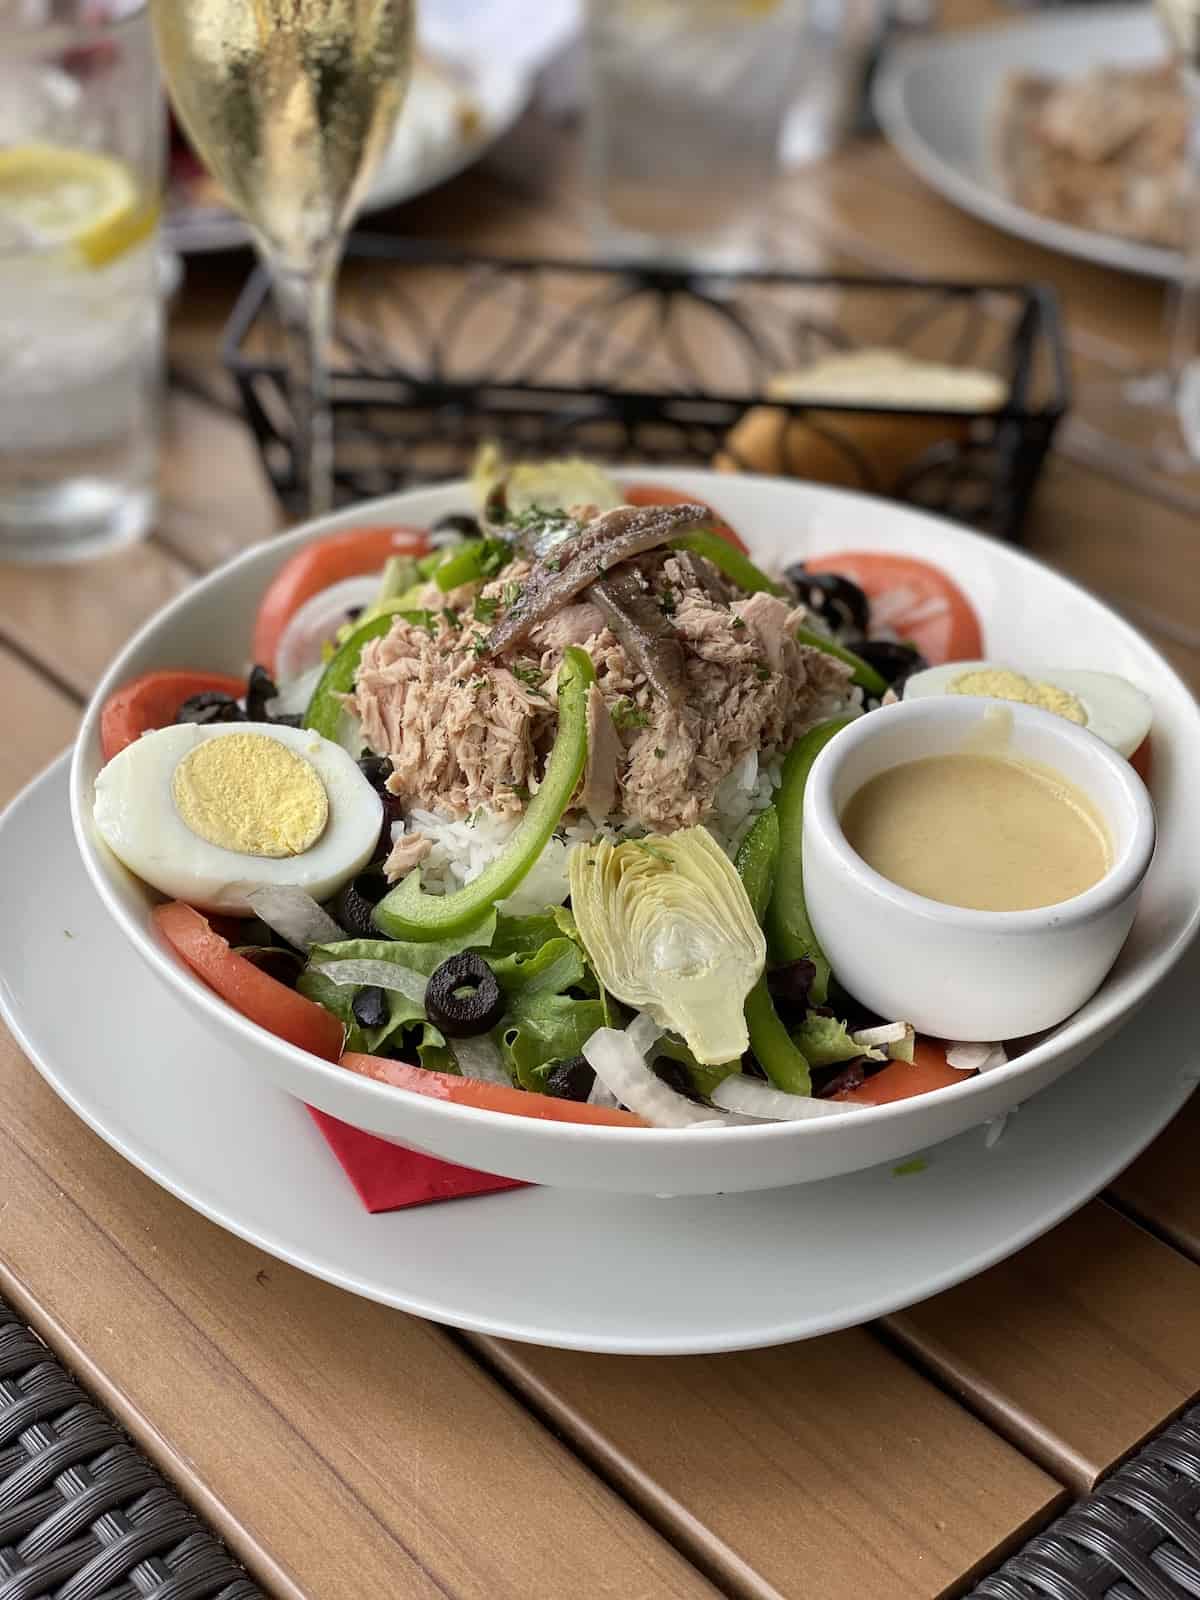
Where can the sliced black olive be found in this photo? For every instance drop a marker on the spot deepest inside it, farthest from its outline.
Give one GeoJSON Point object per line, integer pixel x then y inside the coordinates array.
{"type": "Point", "coordinates": [463, 997]}
{"type": "Point", "coordinates": [260, 689]}
{"type": "Point", "coordinates": [355, 901]}
{"type": "Point", "coordinates": [570, 1080]}
{"type": "Point", "coordinates": [829, 1081]}
{"type": "Point", "coordinates": [840, 602]}
{"type": "Point", "coordinates": [457, 522]}
{"type": "Point", "coordinates": [376, 770]}
{"type": "Point", "coordinates": [892, 660]}
{"type": "Point", "coordinates": [285, 966]}
{"type": "Point", "coordinates": [371, 1009]}
{"type": "Point", "coordinates": [210, 707]}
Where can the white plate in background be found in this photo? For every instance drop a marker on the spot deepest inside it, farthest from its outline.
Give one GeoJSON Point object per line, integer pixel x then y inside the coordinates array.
{"type": "Point", "coordinates": [936, 101]}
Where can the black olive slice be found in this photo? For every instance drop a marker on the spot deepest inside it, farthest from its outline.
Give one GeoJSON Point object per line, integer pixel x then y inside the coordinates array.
{"type": "Point", "coordinates": [892, 660]}
{"type": "Point", "coordinates": [285, 966]}
{"type": "Point", "coordinates": [355, 901]}
{"type": "Point", "coordinates": [570, 1080]}
{"type": "Point", "coordinates": [210, 707]}
{"type": "Point", "coordinates": [840, 602]}
{"type": "Point", "coordinates": [457, 522]}
{"type": "Point", "coordinates": [371, 1008]}
{"type": "Point", "coordinates": [463, 998]}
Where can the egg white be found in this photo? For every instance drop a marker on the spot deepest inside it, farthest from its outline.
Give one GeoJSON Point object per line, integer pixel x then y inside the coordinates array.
{"type": "Point", "coordinates": [136, 815]}
{"type": "Point", "coordinates": [1116, 710]}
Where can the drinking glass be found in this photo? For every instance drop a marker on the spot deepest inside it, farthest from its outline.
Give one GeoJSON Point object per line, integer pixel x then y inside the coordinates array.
{"type": "Point", "coordinates": [81, 326]}
{"type": "Point", "coordinates": [292, 104]}
{"type": "Point", "coordinates": [687, 101]}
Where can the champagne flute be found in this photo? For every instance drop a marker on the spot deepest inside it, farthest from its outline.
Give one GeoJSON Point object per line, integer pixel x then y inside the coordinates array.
{"type": "Point", "coordinates": [292, 103]}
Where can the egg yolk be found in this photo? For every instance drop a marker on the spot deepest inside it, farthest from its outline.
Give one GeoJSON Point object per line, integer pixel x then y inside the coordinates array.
{"type": "Point", "coordinates": [1000, 684]}
{"type": "Point", "coordinates": [249, 793]}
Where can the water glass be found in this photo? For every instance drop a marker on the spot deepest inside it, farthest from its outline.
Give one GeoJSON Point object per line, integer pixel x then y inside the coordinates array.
{"type": "Point", "coordinates": [687, 101]}
{"type": "Point", "coordinates": [81, 318]}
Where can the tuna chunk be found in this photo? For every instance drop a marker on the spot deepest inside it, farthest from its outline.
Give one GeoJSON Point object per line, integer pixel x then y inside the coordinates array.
{"type": "Point", "coordinates": [409, 850]}
{"type": "Point", "coordinates": [463, 732]}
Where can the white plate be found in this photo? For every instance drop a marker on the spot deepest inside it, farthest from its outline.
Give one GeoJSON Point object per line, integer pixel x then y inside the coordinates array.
{"type": "Point", "coordinates": [427, 150]}
{"type": "Point", "coordinates": [935, 101]}
{"type": "Point", "coordinates": [1030, 615]}
{"type": "Point", "coordinates": [609, 1272]}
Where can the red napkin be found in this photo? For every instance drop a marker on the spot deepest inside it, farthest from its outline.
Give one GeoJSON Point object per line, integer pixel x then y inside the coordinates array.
{"type": "Point", "coordinates": [388, 1177]}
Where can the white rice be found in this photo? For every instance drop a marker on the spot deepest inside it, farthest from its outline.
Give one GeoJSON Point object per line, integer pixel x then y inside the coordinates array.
{"type": "Point", "coordinates": [463, 848]}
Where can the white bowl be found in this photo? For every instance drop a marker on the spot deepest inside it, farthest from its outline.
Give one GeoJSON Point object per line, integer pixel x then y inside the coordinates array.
{"type": "Point", "coordinates": [953, 972]}
{"type": "Point", "coordinates": [1031, 616]}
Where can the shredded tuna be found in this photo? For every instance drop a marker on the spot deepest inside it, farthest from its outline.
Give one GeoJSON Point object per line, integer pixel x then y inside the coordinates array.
{"type": "Point", "coordinates": [409, 850]}
{"type": "Point", "coordinates": [462, 732]}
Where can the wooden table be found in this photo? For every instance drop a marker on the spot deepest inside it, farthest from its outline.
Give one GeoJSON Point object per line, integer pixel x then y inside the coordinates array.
{"type": "Point", "coordinates": [347, 1451]}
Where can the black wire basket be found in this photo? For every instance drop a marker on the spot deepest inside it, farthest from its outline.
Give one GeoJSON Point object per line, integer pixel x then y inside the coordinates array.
{"type": "Point", "coordinates": [443, 351]}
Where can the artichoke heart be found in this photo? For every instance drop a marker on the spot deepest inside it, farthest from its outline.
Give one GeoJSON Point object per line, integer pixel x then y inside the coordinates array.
{"type": "Point", "coordinates": [670, 930]}
{"type": "Point", "coordinates": [526, 486]}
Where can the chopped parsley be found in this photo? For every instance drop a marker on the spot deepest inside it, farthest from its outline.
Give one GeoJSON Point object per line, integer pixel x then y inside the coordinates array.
{"type": "Point", "coordinates": [512, 593]}
{"type": "Point", "coordinates": [497, 553]}
{"type": "Point", "coordinates": [453, 620]}
{"type": "Point", "coordinates": [532, 677]}
{"type": "Point", "coordinates": [667, 602]}
{"type": "Point", "coordinates": [485, 608]}
{"type": "Point", "coordinates": [479, 644]}
{"type": "Point", "coordinates": [761, 672]}
{"type": "Point", "coordinates": [738, 622]}
{"type": "Point", "coordinates": [555, 564]}
{"type": "Point", "coordinates": [626, 715]}
{"type": "Point", "coordinates": [660, 752]}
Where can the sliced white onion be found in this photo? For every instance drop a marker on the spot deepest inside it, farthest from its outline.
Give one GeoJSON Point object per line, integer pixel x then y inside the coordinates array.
{"type": "Point", "coordinates": [293, 697]}
{"type": "Point", "coordinates": [601, 1095]}
{"type": "Point", "coordinates": [355, 974]}
{"type": "Point", "coordinates": [349, 734]}
{"type": "Point", "coordinates": [294, 915]}
{"type": "Point", "coordinates": [975, 1057]}
{"type": "Point", "coordinates": [644, 1033]}
{"type": "Point", "coordinates": [755, 1099]}
{"type": "Point", "coordinates": [317, 622]}
{"type": "Point", "coordinates": [620, 1065]}
{"type": "Point", "coordinates": [480, 1058]}
{"type": "Point", "coordinates": [898, 1038]}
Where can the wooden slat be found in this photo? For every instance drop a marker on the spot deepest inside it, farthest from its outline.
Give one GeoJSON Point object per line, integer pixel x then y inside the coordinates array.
{"type": "Point", "coordinates": [74, 619]}
{"type": "Point", "coordinates": [826, 1468]}
{"type": "Point", "coordinates": [1078, 1348]}
{"type": "Point", "coordinates": [39, 722]}
{"type": "Point", "coordinates": [345, 1450]}
{"type": "Point", "coordinates": [1162, 1187]}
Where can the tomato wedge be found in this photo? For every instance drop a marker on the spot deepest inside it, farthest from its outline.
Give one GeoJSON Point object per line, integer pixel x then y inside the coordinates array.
{"type": "Point", "coordinates": [350, 554]}
{"type": "Point", "coordinates": [486, 1096]}
{"type": "Point", "coordinates": [254, 993]}
{"type": "Point", "coordinates": [654, 494]}
{"type": "Point", "coordinates": [900, 1080]}
{"type": "Point", "coordinates": [152, 701]}
{"type": "Point", "coordinates": [916, 600]}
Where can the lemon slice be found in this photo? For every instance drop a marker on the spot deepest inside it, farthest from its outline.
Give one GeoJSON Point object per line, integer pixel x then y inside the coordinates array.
{"type": "Point", "coordinates": [89, 203]}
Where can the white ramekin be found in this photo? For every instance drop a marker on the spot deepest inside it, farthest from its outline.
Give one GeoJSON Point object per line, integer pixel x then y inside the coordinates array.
{"type": "Point", "coordinates": [950, 971]}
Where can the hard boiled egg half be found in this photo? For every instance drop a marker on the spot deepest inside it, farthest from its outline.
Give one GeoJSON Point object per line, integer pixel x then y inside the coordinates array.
{"type": "Point", "coordinates": [208, 815]}
{"type": "Point", "coordinates": [1112, 708]}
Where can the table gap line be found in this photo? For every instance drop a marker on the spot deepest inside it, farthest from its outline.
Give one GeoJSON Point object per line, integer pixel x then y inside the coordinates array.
{"type": "Point", "coordinates": [42, 669]}
{"type": "Point", "coordinates": [1066, 1468]}
{"type": "Point", "coordinates": [145, 1430]}
{"type": "Point", "coordinates": [603, 1465]}
{"type": "Point", "coordinates": [1151, 1225]}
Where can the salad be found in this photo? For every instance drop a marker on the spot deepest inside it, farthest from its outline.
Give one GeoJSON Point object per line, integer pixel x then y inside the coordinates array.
{"type": "Point", "coordinates": [508, 811]}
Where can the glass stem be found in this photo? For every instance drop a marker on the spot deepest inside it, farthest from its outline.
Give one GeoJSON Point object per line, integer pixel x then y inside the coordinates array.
{"type": "Point", "coordinates": [305, 301]}
{"type": "Point", "coordinates": [1185, 308]}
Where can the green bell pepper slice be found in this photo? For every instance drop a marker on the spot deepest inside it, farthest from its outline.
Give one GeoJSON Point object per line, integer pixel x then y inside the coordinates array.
{"type": "Point", "coordinates": [408, 913]}
{"type": "Point", "coordinates": [865, 674]}
{"type": "Point", "coordinates": [783, 1063]}
{"type": "Point", "coordinates": [470, 562]}
{"type": "Point", "coordinates": [737, 568]}
{"type": "Point", "coordinates": [790, 935]}
{"type": "Point", "coordinates": [325, 708]}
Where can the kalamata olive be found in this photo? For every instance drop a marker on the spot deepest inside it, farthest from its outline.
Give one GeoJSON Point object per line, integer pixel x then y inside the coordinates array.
{"type": "Point", "coordinates": [570, 1080]}
{"type": "Point", "coordinates": [892, 660]}
{"type": "Point", "coordinates": [355, 901]}
{"type": "Point", "coordinates": [371, 1009]}
{"type": "Point", "coordinates": [376, 770]}
{"type": "Point", "coordinates": [210, 707]}
{"type": "Point", "coordinates": [260, 691]}
{"type": "Point", "coordinates": [285, 966]}
{"type": "Point", "coordinates": [840, 602]}
{"type": "Point", "coordinates": [829, 1081]}
{"type": "Point", "coordinates": [463, 997]}
{"type": "Point", "coordinates": [459, 523]}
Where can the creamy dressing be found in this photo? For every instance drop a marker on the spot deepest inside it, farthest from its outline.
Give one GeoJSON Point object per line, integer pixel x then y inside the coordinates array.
{"type": "Point", "coordinates": [979, 830]}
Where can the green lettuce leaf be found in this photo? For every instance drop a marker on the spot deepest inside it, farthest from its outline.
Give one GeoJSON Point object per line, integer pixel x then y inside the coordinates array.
{"type": "Point", "coordinates": [824, 1041]}
{"type": "Point", "coordinates": [544, 1022]}
{"type": "Point", "coordinates": [704, 1079]}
